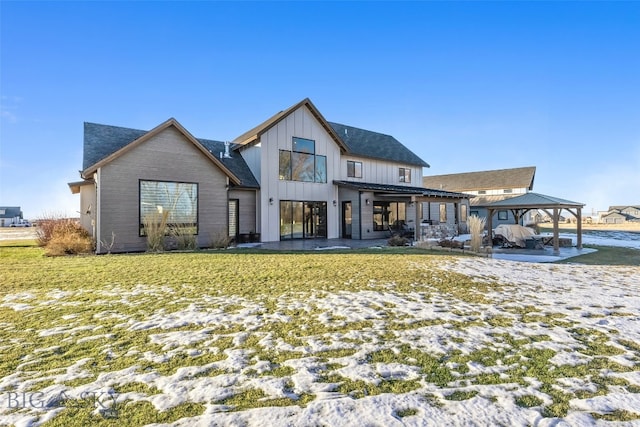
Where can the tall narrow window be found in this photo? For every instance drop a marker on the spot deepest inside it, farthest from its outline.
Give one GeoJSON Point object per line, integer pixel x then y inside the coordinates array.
{"type": "Point", "coordinates": [443, 212]}
{"type": "Point", "coordinates": [354, 169]}
{"type": "Point", "coordinates": [404, 175]}
{"type": "Point", "coordinates": [463, 213]}
{"type": "Point", "coordinates": [233, 218]}
{"type": "Point", "coordinates": [169, 204]}
{"type": "Point", "coordinates": [285, 165]}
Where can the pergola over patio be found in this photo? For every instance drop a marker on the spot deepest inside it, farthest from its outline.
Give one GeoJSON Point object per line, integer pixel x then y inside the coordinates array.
{"type": "Point", "coordinates": [520, 205]}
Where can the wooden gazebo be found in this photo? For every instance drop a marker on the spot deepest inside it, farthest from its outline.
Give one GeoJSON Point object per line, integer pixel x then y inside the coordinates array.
{"type": "Point", "coordinates": [520, 205]}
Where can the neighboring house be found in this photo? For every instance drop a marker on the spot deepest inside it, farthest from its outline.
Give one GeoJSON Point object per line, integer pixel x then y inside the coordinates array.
{"type": "Point", "coordinates": [620, 214]}
{"type": "Point", "coordinates": [10, 215]}
{"type": "Point", "coordinates": [487, 187]}
{"type": "Point", "coordinates": [294, 176]}
{"type": "Point", "coordinates": [613, 218]}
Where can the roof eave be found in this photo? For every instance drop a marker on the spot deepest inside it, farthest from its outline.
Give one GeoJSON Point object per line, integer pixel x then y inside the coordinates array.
{"type": "Point", "coordinates": [254, 134]}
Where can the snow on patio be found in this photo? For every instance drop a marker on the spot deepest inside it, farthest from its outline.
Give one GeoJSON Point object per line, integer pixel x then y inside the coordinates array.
{"type": "Point", "coordinates": [544, 345]}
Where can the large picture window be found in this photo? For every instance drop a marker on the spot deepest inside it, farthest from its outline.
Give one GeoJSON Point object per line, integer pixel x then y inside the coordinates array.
{"type": "Point", "coordinates": [172, 204]}
{"type": "Point", "coordinates": [388, 214]}
{"type": "Point", "coordinates": [302, 163]}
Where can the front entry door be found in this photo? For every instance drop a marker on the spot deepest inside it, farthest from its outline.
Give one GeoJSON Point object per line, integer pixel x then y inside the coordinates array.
{"type": "Point", "coordinates": [346, 220]}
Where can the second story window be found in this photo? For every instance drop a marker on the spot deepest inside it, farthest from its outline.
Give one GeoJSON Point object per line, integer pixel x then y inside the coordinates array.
{"type": "Point", "coordinates": [354, 169]}
{"type": "Point", "coordinates": [302, 163]}
{"type": "Point", "coordinates": [404, 175]}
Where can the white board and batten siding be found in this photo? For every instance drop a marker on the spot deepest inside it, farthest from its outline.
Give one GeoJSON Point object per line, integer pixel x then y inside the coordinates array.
{"type": "Point", "coordinates": [381, 171]}
{"type": "Point", "coordinates": [302, 124]}
{"type": "Point", "coordinates": [168, 156]}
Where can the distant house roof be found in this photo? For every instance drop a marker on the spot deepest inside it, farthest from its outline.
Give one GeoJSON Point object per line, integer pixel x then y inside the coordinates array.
{"type": "Point", "coordinates": [535, 201]}
{"type": "Point", "coordinates": [484, 180]}
{"type": "Point", "coordinates": [103, 141]}
{"type": "Point", "coordinates": [352, 140]}
{"type": "Point", "coordinates": [366, 143]}
{"type": "Point", "coordinates": [623, 207]}
{"type": "Point", "coordinates": [400, 189]}
{"type": "Point", "coordinates": [614, 215]}
{"type": "Point", "coordinates": [10, 211]}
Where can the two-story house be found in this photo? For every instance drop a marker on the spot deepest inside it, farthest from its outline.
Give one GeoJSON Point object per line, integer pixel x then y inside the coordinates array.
{"type": "Point", "coordinates": [487, 187]}
{"type": "Point", "coordinates": [294, 176]}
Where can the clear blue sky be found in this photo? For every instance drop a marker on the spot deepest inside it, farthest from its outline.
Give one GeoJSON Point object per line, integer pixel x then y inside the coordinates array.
{"type": "Point", "coordinates": [467, 86]}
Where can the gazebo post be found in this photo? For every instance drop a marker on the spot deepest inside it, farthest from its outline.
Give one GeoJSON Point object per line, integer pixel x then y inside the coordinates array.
{"type": "Point", "coordinates": [556, 239]}
{"type": "Point", "coordinates": [579, 228]}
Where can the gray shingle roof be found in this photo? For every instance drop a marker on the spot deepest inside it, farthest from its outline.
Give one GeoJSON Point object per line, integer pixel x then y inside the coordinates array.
{"type": "Point", "coordinates": [355, 141]}
{"type": "Point", "coordinates": [235, 163]}
{"type": "Point", "coordinates": [100, 141]}
{"type": "Point", "coordinates": [484, 180]}
{"type": "Point", "coordinates": [366, 143]}
{"type": "Point", "coordinates": [10, 211]}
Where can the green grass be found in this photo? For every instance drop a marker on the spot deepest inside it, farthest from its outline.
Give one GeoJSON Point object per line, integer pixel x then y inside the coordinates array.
{"type": "Point", "coordinates": [253, 317]}
{"type": "Point", "coordinates": [606, 255]}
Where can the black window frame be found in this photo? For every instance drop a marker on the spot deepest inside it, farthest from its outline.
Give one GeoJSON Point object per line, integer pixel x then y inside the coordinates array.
{"type": "Point", "coordinates": [404, 175]}
{"type": "Point", "coordinates": [353, 167]}
{"type": "Point", "coordinates": [299, 155]}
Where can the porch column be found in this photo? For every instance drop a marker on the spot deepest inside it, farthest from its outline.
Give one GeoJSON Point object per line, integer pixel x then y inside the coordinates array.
{"type": "Point", "coordinates": [416, 228]}
{"type": "Point", "coordinates": [490, 226]}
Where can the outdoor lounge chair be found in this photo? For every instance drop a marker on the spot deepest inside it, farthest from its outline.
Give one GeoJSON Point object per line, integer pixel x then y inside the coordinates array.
{"type": "Point", "coordinates": [400, 228]}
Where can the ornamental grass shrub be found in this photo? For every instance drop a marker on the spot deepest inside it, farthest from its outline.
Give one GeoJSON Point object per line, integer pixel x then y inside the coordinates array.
{"type": "Point", "coordinates": [63, 236]}
{"type": "Point", "coordinates": [184, 236]}
{"type": "Point", "coordinates": [476, 227]}
{"type": "Point", "coordinates": [155, 228]}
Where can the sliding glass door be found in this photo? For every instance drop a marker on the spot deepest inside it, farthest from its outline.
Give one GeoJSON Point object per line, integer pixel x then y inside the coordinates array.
{"type": "Point", "coordinates": [303, 220]}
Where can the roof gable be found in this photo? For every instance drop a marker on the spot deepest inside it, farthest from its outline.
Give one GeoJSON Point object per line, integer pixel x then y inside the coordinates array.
{"type": "Point", "coordinates": [365, 143]}
{"type": "Point", "coordinates": [111, 142]}
{"type": "Point", "coordinates": [484, 180]}
{"type": "Point", "coordinates": [254, 134]}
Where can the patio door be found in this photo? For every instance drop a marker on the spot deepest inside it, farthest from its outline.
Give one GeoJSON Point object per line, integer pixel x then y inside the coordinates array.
{"type": "Point", "coordinates": [303, 220]}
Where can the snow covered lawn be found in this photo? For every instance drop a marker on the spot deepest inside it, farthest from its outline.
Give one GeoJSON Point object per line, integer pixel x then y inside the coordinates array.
{"type": "Point", "coordinates": [322, 339]}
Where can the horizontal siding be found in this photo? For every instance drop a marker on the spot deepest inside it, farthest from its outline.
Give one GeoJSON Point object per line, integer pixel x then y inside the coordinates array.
{"type": "Point", "coordinates": [169, 156]}
{"type": "Point", "coordinates": [247, 210]}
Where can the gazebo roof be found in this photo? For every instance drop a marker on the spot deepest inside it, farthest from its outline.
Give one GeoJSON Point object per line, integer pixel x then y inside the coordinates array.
{"type": "Point", "coordinates": [534, 201]}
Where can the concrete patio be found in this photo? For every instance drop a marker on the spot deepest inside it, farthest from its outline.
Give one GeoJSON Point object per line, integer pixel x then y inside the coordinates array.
{"type": "Point", "coordinates": [512, 254]}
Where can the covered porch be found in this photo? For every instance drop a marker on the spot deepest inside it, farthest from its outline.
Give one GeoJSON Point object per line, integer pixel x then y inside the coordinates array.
{"type": "Point", "coordinates": [374, 211]}
{"type": "Point", "coordinates": [520, 205]}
